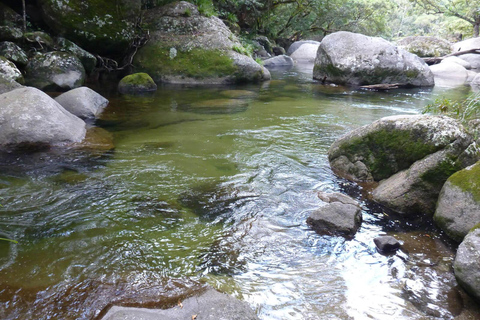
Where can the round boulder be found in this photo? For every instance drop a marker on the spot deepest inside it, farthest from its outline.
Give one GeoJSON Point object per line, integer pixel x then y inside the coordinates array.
{"type": "Point", "coordinates": [9, 71]}
{"type": "Point", "coordinates": [82, 102]}
{"type": "Point", "coordinates": [137, 83]}
{"type": "Point", "coordinates": [449, 74]}
{"type": "Point", "coordinates": [29, 116]}
{"type": "Point", "coordinates": [56, 71]}
{"type": "Point", "coordinates": [282, 61]}
{"type": "Point", "coordinates": [424, 46]}
{"type": "Point", "coordinates": [458, 207]}
{"type": "Point", "coordinates": [467, 263]}
{"type": "Point", "coordinates": [354, 59]}
{"type": "Point", "coordinates": [303, 51]}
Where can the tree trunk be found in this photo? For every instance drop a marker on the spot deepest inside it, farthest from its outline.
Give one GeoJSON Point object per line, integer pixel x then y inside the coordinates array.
{"type": "Point", "coordinates": [24, 11]}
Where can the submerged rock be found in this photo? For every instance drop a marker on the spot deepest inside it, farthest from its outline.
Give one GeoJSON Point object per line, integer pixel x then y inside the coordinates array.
{"type": "Point", "coordinates": [424, 46]}
{"type": "Point", "coordinates": [341, 216]}
{"type": "Point", "coordinates": [303, 51]}
{"type": "Point", "coordinates": [354, 59]}
{"type": "Point", "coordinates": [137, 83]}
{"type": "Point", "coordinates": [458, 207]}
{"type": "Point", "coordinates": [386, 244]}
{"type": "Point", "coordinates": [56, 71]}
{"type": "Point", "coordinates": [82, 102]}
{"type": "Point", "coordinates": [186, 47]}
{"type": "Point", "coordinates": [211, 305]}
{"type": "Point", "coordinates": [467, 264]}
{"type": "Point", "coordinates": [29, 116]}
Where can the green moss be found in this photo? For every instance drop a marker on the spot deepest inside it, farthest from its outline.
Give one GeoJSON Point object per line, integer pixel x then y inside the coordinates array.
{"type": "Point", "coordinates": [412, 73]}
{"type": "Point", "coordinates": [468, 181]}
{"type": "Point", "coordinates": [137, 79]}
{"type": "Point", "coordinates": [439, 174]}
{"type": "Point", "coordinates": [196, 63]}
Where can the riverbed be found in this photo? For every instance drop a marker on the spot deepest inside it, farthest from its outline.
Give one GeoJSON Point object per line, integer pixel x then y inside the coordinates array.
{"type": "Point", "coordinates": [212, 186]}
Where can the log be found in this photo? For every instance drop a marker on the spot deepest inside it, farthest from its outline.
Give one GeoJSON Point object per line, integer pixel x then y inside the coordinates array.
{"type": "Point", "coordinates": [436, 60]}
{"type": "Point", "coordinates": [385, 86]}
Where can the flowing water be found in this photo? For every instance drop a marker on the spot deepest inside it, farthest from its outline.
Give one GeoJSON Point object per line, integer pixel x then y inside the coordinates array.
{"type": "Point", "coordinates": [213, 186]}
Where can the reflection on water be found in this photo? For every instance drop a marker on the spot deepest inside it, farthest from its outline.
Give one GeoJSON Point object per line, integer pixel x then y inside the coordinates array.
{"type": "Point", "coordinates": [213, 186]}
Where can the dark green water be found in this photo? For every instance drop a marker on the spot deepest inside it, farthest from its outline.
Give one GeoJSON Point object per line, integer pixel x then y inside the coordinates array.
{"type": "Point", "coordinates": [213, 185]}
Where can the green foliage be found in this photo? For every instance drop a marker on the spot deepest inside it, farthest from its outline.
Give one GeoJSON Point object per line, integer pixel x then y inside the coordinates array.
{"type": "Point", "coordinates": [205, 7]}
{"type": "Point", "coordinates": [9, 240]}
{"type": "Point", "coordinates": [463, 110]}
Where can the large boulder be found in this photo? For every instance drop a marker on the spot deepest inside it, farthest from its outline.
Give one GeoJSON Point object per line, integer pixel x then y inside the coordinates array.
{"type": "Point", "coordinates": [186, 47]}
{"type": "Point", "coordinates": [9, 71]}
{"type": "Point", "coordinates": [458, 207]}
{"type": "Point", "coordinates": [7, 85]}
{"type": "Point", "coordinates": [467, 263]}
{"type": "Point", "coordinates": [424, 46]}
{"type": "Point", "coordinates": [449, 74]}
{"type": "Point", "coordinates": [13, 53]}
{"type": "Point", "coordinates": [100, 26]}
{"type": "Point", "coordinates": [413, 155]}
{"type": "Point", "coordinates": [354, 59]}
{"type": "Point", "coordinates": [304, 51]}
{"type": "Point", "coordinates": [56, 71]}
{"type": "Point", "coordinates": [210, 305]}
{"type": "Point", "coordinates": [82, 102]}
{"type": "Point", "coordinates": [340, 216]}
{"type": "Point", "coordinates": [89, 61]}
{"type": "Point", "coordinates": [472, 58]}
{"type": "Point", "coordinates": [29, 116]}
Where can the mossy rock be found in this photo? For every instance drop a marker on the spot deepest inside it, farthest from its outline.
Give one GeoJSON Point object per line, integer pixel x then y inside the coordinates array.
{"type": "Point", "coordinates": [9, 71]}
{"type": "Point", "coordinates": [13, 53]}
{"type": "Point", "coordinates": [100, 26]}
{"type": "Point", "coordinates": [88, 60]}
{"type": "Point", "coordinates": [40, 39]}
{"type": "Point", "coordinates": [8, 33]}
{"type": "Point", "coordinates": [137, 83]}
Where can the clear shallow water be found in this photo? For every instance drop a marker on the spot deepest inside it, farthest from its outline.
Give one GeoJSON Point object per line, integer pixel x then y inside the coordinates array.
{"type": "Point", "coordinates": [213, 185]}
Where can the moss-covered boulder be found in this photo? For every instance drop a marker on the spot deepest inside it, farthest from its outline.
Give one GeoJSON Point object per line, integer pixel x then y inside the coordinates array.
{"type": "Point", "coordinates": [186, 47]}
{"type": "Point", "coordinates": [101, 26]}
{"type": "Point", "coordinates": [13, 53]}
{"type": "Point", "coordinates": [467, 263]}
{"type": "Point", "coordinates": [354, 59]}
{"type": "Point", "coordinates": [412, 156]}
{"type": "Point", "coordinates": [88, 60]}
{"type": "Point", "coordinates": [424, 46]}
{"type": "Point", "coordinates": [9, 71]}
{"type": "Point", "coordinates": [137, 83]}
{"type": "Point", "coordinates": [55, 71]}
{"type": "Point", "coordinates": [458, 207]}
{"type": "Point", "coordinates": [39, 39]}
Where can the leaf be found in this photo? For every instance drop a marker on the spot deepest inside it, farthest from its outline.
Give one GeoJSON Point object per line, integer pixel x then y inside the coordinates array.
{"type": "Point", "coordinates": [10, 240]}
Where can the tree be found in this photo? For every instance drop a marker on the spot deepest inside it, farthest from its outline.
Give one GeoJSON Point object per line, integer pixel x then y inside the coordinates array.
{"type": "Point", "coordinates": [468, 10]}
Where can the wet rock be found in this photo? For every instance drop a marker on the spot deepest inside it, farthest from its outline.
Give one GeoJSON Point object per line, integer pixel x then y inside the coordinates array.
{"type": "Point", "coordinates": [82, 102]}
{"type": "Point", "coordinates": [238, 94]}
{"type": "Point", "coordinates": [386, 244]}
{"type": "Point", "coordinates": [89, 61]}
{"type": "Point", "coordinates": [10, 33]}
{"type": "Point", "coordinates": [99, 26]}
{"type": "Point", "coordinates": [56, 71]}
{"type": "Point", "coordinates": [29, 116]}
{"type": "Point", "coordinates": [467, 264]}
{"type": "Point", "coordinates": [13, 53]}
{"type": "Point", "coordinates": [137, 83]}
{"type": "Point", "coordinates": [341, 216]}
{"type": "Point", "coordinates": [303, 51]}
{"type": "Point", "coordinates": [188, 48]}
{"type": "Point", "coordinates": [278, 62]}
{"type": "Point", "coordinates": [211, 305]}
{"type": "Point", "coordinates": [354, 59]}
{"type": "Point", "coordinates": [458, 207]}
{"type": "Point", "coordinates": [424, 46]}
{"type": "Point", "coordinates": [9, 71]}
{"type": "Point", "coordinates": [97, 140]}
{"type": "Point", "coordinates": [413, 155]}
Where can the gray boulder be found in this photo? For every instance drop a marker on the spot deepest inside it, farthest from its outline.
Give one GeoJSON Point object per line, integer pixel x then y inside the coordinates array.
{"type": "Point", "coordinates": [7, 85]}
{"type": "Point", "coordinates": [457, 60]}
{"type": "Point", "coordinates": [476, 81]}
{"type": "Point", "coordinates": [210, 305]}
{"type": "Point", "coordinates": [88, 60]}
{"type": "Point", "coordinates": [186, 47]}
{"type": "Point", "coordinates": [340, 216]}
{"type": "Point", "coordinates": [473, 59]}
{"type": "Point", "coordinates": [9, 71]}
{"type": "Point", "coordinates": [386, 244]}
{"type": "Point", "coordinates": [354, 59]}
{"type": "Point", "coordinates": [13, 53]}
{"type": "Point", "coordinates": [458, 207]}
{"type": "Point", "coordinates": [8, 33]}
{"type": "Point", "coordinates": [29, 116]}
{"type": "Point", "coordinates": [449, 74]}
{"type": "Point", "coordinates": [56, 71]}
{"type": "Point", "coordinates": [282, 61]}
{"type": "Point", "coordinates": [467, 264]}
{"type": "Point", "coordinates": [424, 46]}
{"type": "Point", "coordinates": [303, 51]}
{"type": "Point", "coordinates": [137, 83]}
{"type": "Point", "coordinates": [82, 102]}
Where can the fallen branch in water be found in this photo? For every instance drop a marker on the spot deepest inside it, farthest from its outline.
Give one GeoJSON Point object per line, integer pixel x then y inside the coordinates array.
{"type": "Point", "coordinates": [385, 86]}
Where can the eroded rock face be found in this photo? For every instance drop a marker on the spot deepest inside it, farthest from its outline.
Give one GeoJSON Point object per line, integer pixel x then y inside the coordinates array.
{"type": "Point", "coordinates": [29, 116]}
{"type": "Point", "coordinates": [56, 71]}
{"type": "Point", "coordinates": [467, 264]}
{"type": "Point", "coordinates": [412, 156]}
{"type": "Point", "coordinates": [458, 207]}
{"type": "Point", "coordinates": [101, 26]}
{"type": "Point", "coordinates": [82, 102]}
{"type": "Point", "coordinates": [424, 46]}
{"type": "Point", "coordinates": [353, 59]}
{"type": "Point", "coordinates": [186, 47]}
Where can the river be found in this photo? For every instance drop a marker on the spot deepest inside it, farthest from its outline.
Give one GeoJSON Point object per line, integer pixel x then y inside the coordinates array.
{"type": "Point", "coordinates": [213, 186]}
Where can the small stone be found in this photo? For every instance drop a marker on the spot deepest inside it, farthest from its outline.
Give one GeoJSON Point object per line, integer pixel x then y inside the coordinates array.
{"type": "Point", "coordinates": [386, 244]}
